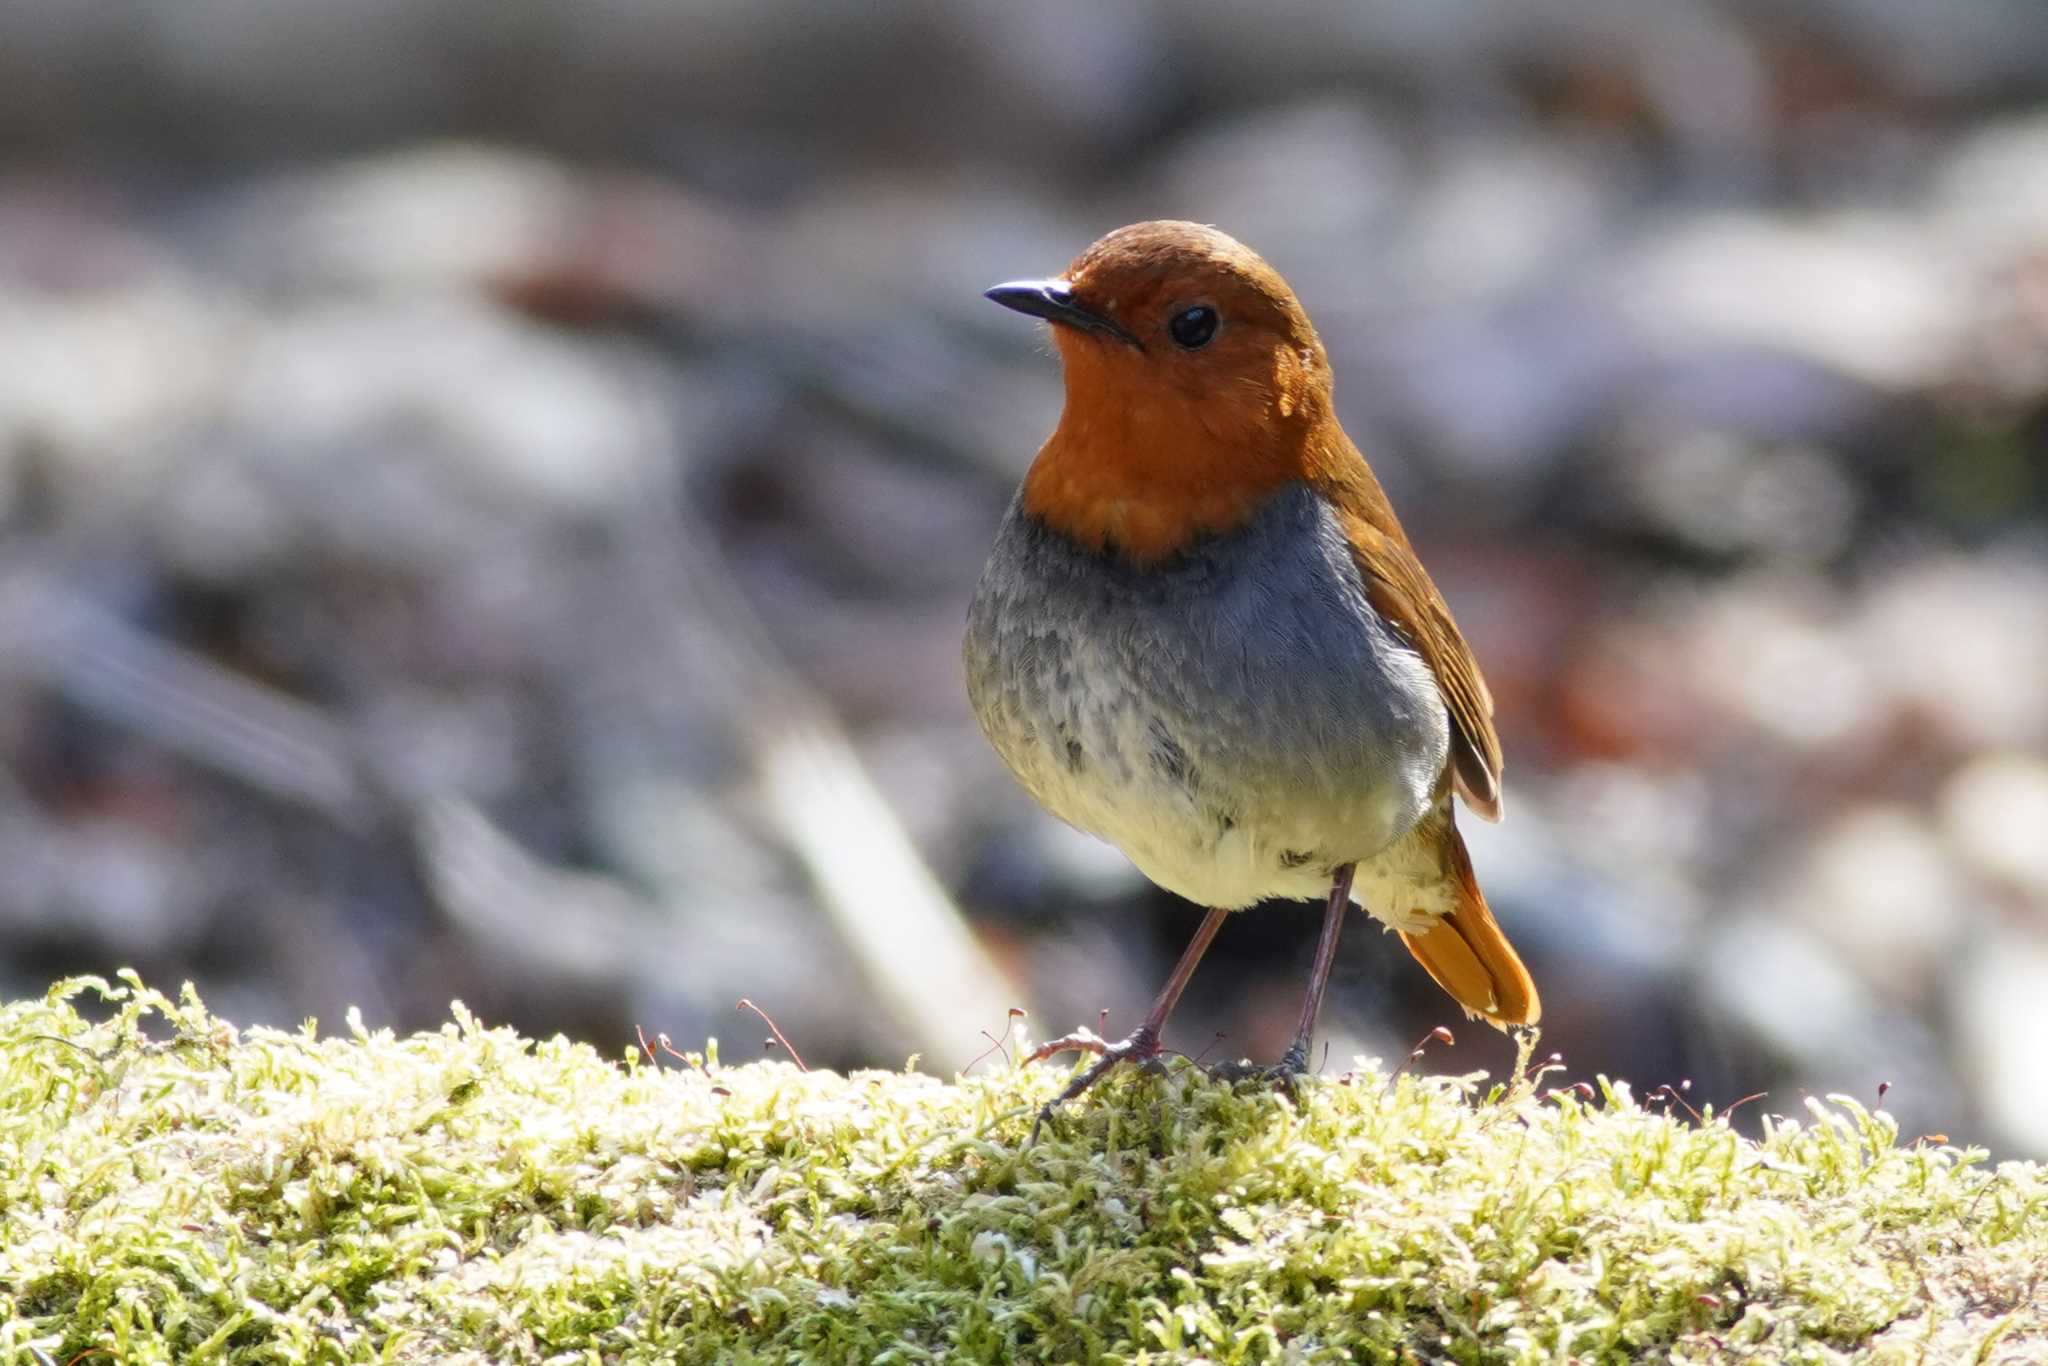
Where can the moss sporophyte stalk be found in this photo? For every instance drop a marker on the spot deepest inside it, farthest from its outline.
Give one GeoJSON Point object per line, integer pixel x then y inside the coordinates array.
{"type": "Point", "coordinates": [175, 1190]}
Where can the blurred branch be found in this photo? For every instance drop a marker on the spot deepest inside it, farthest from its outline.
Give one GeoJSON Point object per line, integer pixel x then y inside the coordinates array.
{"type": "Point", "coordinates": [103, 665]}
{"type": "Point", "coordinates": [579, 927]}
{"type": "Point", "coordinates": [907, 935]}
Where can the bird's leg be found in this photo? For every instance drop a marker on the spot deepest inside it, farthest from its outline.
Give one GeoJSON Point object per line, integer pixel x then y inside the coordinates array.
{"type": "Point", "coordinates": [1143, 1042]}
{"type": "Point", "coordinates": [1295, 1060]}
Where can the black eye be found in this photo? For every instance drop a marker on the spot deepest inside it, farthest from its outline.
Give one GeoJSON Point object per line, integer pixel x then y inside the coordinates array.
{"type": "Point", "coordinates": [1191, 330]}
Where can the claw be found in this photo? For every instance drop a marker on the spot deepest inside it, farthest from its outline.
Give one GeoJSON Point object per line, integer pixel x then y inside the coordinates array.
{"type": "Point", "coordinates": [1282, 1075]}
{"type": "Point", "coordinates": [1083, 1040]}
{"type": "Point", "coordinates": [1142, 1046]}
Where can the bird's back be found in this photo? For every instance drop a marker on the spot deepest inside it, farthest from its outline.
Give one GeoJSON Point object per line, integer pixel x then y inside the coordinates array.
{"type": "Point", "coordinates": [1238, 720]}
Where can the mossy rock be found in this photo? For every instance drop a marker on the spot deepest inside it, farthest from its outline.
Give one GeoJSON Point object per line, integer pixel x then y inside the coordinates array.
{"type": "Point", "coordinates": [173, 1191]}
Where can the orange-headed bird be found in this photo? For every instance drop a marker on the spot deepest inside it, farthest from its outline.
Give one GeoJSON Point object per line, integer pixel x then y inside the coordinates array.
{"type": "Point", "coordinates": [1203, 636]}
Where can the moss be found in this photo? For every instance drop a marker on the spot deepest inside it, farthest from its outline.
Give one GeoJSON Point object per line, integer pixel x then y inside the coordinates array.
{"type": "Point", "coordinates": [173, 1191]}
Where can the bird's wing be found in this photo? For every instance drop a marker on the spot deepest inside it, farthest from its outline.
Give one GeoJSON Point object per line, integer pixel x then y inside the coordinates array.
{"type": "Point", "coordinates": [1400, 590]}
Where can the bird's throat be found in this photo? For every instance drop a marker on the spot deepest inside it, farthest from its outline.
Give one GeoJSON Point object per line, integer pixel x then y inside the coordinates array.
{"type": "Point", "coordinates": [1140, 522]}
{"type": "Point", "coordinates": [1147, 485]}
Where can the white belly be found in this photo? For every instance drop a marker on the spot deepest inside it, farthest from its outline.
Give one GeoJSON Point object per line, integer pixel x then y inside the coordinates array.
{"type": "Point", "coordinates": [1239, 724]}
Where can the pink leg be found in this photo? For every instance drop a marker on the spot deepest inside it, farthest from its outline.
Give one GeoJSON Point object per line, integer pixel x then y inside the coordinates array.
{"type": "Point", "coordinates": [1143, 1042]}
{"type": "Point", "coordinates": [1296, 1057]}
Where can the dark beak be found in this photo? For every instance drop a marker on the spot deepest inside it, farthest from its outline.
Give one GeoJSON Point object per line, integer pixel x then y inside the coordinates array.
{"type": "Point", "coordinates": [1053, 300]}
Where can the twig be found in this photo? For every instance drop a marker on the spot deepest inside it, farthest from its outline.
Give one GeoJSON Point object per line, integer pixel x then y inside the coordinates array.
{"type": "Point", "coordinates": [787, 1046]}
{"type": "Point", "coordinates": [997, 1045]}
{"type": "Point", "coordinates": [1665, 1092]}
{"type": "Point", "coordinates": [1437, 1035]}
{"type": "Point", "coordinates": [1754, 1095]}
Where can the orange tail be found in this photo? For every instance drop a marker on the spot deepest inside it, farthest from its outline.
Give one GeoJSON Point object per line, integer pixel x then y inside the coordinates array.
{"type": "Point", "coordinates": [1468, 955]}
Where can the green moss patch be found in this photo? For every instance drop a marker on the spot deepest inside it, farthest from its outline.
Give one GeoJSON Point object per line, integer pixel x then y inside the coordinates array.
{"type": "Point", "coordinates": [171, 1190]}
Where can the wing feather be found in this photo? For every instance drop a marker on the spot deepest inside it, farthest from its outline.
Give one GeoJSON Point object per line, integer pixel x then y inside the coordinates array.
{"type": "Point", "coordinates": [1400, 590]}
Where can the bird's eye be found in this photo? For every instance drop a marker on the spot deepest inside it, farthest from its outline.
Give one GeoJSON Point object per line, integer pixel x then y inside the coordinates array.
{"type": "Point", "coordinates": [1192, 329]}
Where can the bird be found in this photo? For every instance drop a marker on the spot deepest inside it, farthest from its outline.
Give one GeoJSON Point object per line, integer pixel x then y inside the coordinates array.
{"type": "Point", "coordinates": [1203, 636]}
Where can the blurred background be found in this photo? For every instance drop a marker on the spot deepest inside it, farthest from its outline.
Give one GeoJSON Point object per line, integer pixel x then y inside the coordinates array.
{"type": "Point", "coordinates": [489, 493]}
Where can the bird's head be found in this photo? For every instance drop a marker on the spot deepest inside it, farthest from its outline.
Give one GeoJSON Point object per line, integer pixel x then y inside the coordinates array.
{"type": "Point", "coordinates": [1196, 386]}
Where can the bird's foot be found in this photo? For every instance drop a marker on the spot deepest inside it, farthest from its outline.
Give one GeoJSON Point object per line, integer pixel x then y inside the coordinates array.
{"type": "Point", "coordinates": [1141, 1047]}
{"type": "Point", "coordinates": [1281, 1076]}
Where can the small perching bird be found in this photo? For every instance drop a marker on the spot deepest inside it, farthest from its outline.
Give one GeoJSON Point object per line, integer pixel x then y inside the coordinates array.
{"type": "Point", "coordinates": [1203, 636]}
